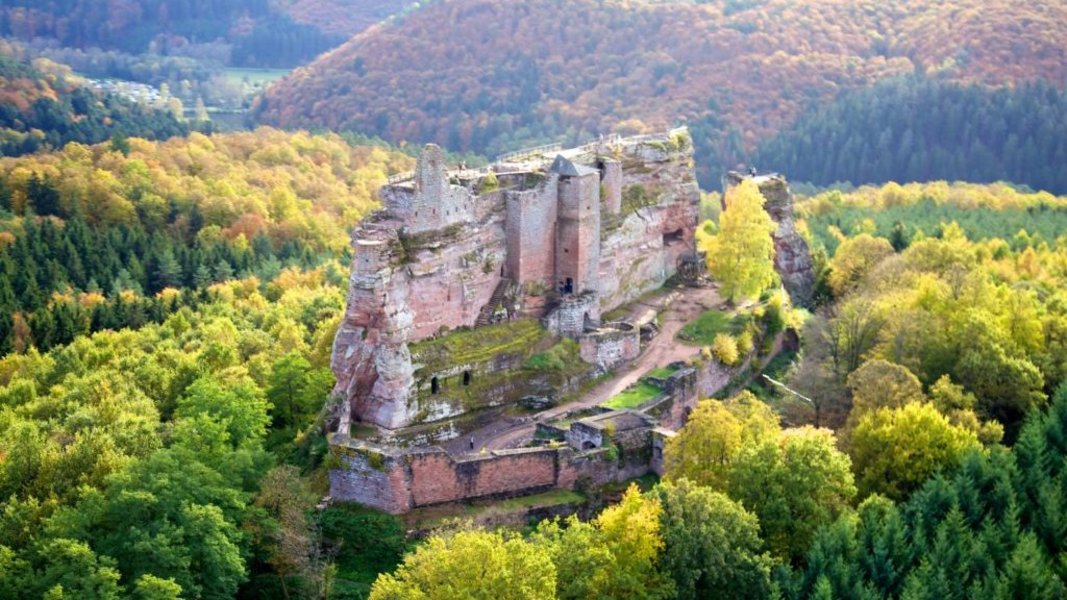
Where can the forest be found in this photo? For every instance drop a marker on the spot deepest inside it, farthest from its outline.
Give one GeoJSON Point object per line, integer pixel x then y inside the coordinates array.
{"type": "Point", "coordinates": [168, 314]}
{"type": "Point", "coordinates": [735, 72]}
{"type": "Point", "coordinates": [43, 105]}
{"type": "Point", "coordinates": [162, 436]}
{"type": "Point", "coordinates": [923, 130]}
{"type": "Point", "coordinates": [246, 33]}
{"type": "Point", "coordinates": [105, 237]}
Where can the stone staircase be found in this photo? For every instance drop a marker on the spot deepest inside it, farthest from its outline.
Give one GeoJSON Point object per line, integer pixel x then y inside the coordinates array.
{"type": "Point", "coordinates": [485, 317]}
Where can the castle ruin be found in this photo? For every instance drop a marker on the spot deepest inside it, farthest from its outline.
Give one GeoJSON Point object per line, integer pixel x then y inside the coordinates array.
{"type": "Point", "coordinates": [547, 240]}
{"type": "Point", "coordinates": [480, 299]}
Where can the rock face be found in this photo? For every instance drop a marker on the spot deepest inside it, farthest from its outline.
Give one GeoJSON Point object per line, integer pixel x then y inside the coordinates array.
{"type": "Point", "coordinates": [792, 257]}
{"type": "Point", "coordinates": [582, 230]}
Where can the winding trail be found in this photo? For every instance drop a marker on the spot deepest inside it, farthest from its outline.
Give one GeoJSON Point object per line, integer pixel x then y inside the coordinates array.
{"type": "Point", "coordinates": [677, 308]}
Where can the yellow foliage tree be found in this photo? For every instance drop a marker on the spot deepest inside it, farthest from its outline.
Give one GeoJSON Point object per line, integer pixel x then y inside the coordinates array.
{"type": "Point", "coordinates": [703, 450]}
{"type": "Point", "coordinates": [478, 565]}
{"type": "Point", "coordinates": [741, 256]}
{"type": "Point", "coordinates": [895, 450]}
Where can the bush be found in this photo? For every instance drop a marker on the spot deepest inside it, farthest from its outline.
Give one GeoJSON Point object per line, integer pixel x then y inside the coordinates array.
{"type": "Point", "coordinates": [725, 349]}
{"type": "Point", "coordinates": [774, 315]}
{"type": "Point", "coordinates": [744, 341]}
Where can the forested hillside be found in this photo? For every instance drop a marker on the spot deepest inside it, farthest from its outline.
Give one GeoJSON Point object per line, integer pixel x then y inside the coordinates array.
{"type": "Point", "coordinates": [45, 106]}
{"type": "Point", "coordinates": [490, 76]}
{"type": "Point", "coordinates": [345, 17]}
{"type": "Point", "coordinates": [922, 130]}
{"type": "Point", "coordinates": [99, 237]}
{"type": "Point", "coordinates": [167, 311]}
{"type": "Point", "coordinates": [253, 33]}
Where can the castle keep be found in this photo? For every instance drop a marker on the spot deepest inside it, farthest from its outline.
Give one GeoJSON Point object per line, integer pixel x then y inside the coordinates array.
{"type": "Point", "coordinates": [463, 273]}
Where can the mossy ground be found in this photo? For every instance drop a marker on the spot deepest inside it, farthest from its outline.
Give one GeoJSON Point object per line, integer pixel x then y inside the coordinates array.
{"type": "Point", "coordinates": [423, 519]}
{"type": "Point", "coordinates": [469, 346]}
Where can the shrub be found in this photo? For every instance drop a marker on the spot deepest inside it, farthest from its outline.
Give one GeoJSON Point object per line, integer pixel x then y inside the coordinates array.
{"type": "Point", "coordinates": [725, 349]}
{"type": "Point", "coordinates": [744, 341]}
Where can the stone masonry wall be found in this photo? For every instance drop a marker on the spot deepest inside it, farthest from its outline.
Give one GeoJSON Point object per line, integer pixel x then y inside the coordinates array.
{"type": "Point", "coordinates": [397, 483]}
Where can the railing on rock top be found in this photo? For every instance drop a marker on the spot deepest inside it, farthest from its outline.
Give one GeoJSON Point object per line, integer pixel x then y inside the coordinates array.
{"type": "Point", "coordinates": [401, 177]}
{"type": "Point", "coordinates": [525, 152]}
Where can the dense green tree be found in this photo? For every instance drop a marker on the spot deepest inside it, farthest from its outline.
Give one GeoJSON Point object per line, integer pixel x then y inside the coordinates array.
{"type": "Point", "coordinates": [716, 431]}
{"type": "Point", "coordinates": [239, 404]}
{"type": "Point", "coordinates": [614, 556]}
{"type": "Point", "coordinates": [712, 547]}
{"type": "Point", "coordinates": [794, 485]}
{"type": "Point", "coordinates": [296, 390]}
{"type": "Point", "coordinates": [895, 450]}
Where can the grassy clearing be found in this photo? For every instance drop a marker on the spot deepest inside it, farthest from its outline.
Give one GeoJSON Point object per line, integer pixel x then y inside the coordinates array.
{"type": "Point", "coordinates": [254, 77]}
{"type": "Point", "coordinates": [633, 397]}
{"type": "Point", "coordinates": [703, 329]}
{"type": "Point", "coordinates": [661, 372]}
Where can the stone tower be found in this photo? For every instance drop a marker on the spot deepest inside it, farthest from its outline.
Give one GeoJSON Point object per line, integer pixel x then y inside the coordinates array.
{"type": "Point", "coordinates": [578, 227]}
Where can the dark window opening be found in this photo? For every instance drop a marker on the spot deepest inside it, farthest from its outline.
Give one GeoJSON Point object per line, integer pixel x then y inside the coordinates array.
{"type": "Point", "coordinates": [588, 445]}
{"type": "Point", "coordinates": [568, 286]}
{"type": "Point", "coordinates": [466, 378]}
{"type": "Point", "coordinates": [501, 270]}
{"type": "Point", "coordinates": [435, 387]}
{"type": "Point", "coordinates": [673, 236]}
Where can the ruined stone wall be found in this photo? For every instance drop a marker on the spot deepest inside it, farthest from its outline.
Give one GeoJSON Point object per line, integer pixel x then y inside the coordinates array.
{"type": "Point", "coordinates": [641, 245]}
{"type": "Point", "coordinates": [372, 479]}
{"type": "Point", "coordinates": [436, 202]}
{"type": "Point", "coordinates": [399, 482]}
{"type": "Point", "coordinates": [611, 185]}
{"type": "Point", "coordinates": [608, 348]}
{"type": "Point", "coordinates": [570, 317]}
{"type": "Point", "coordinates": [437, 478]}
{"type": "Point", "coordinates": [436, 257]}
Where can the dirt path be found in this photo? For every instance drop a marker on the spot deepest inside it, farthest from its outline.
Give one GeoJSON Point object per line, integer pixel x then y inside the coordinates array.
{"type": "Point", "coordinates": [678, 308]}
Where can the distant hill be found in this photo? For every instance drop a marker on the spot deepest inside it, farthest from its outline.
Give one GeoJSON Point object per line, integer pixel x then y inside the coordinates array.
{"type": "Point", "coordinates": [343, 17]}
{"type": "Point", "coordinates": [47, 107]}
{"type": "Point", "coordinates": [923, 130]}
{"type": "Point", "coordinates": [492, 75]}
{"type": "Point", "coordinates": [243, 33]}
